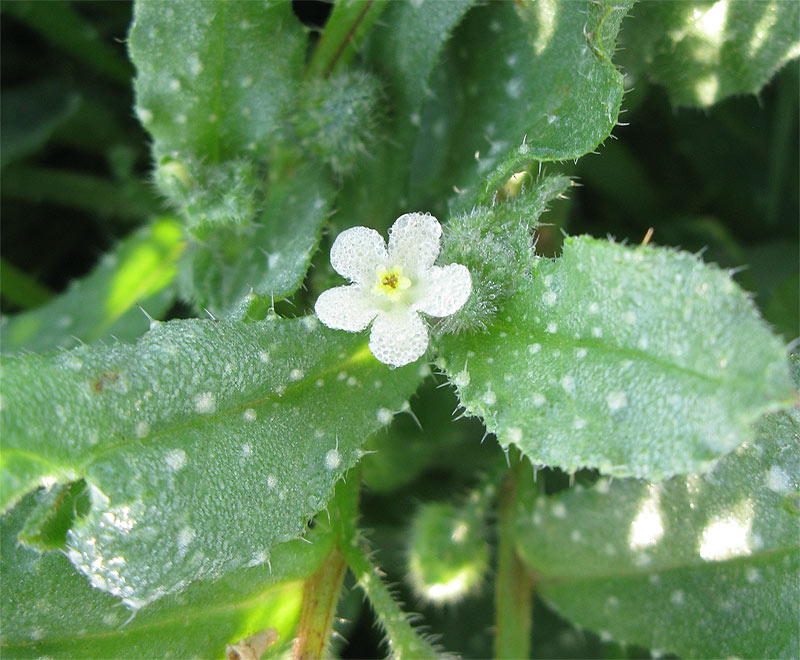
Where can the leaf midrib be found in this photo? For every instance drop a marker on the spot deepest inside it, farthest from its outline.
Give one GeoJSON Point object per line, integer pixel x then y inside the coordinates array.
{"type": "Point", "coordinates": [635, 572]}
{"type": "Point", "coordinates": [542, 336]}
{"type": "Point", "coordinates": [199, 421]}
{"type": "Point", "coordinates": [162, 622]}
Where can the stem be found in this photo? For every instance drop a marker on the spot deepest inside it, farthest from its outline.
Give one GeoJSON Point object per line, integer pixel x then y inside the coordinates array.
{"type": "Point", "coordinates": [404, 642]}
{"type": "Point", "coordinates": [514, 583]}
{"type": "Point", "coordinates": [321, 590]}
{"type": "Point", "coordinates": [347, 25]}
{"type": "Point", "coordinates": [320, 596]}
{"type": "Point", "coordinates": [784, 121]}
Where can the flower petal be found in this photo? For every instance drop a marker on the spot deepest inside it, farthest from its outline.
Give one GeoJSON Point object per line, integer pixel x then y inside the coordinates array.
{"type": "Point", "coordinates": [445, 291]}
{"type": "Point", "coordinates": [356, 254]}
{"type": "Point", "coordinates": [414, 241]}
{"type": "Point", "coordinates": [398, 338]}
{"type": "Point", "coordinates": [345, 308]}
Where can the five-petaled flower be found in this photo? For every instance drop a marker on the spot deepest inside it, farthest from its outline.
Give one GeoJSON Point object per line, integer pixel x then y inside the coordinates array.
{"type": "Point", "coordinates": [392, 286]}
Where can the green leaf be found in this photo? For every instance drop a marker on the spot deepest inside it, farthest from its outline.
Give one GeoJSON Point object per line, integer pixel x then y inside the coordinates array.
{"type": "Point", "coordinates": [638, 361]}
{"type": "Point", "coordinates": [215, 79]}
{"type": "Point", "coordinates": [49, 609]}
{"type": "Point", "coordinates": [404, 48]}
{"type": "Point", "coordinates": [706, 50]}
{"type": "Point", "coordinates": [202, 446]}
{"type": "Point", "coordinates": [697, 566]}
{"type": "Point", "coordinates": [783, 308]}
{"type": "Point", "coordinates": [141, 270]}
{"type": "Point", "coordinates": [548, 90]}
{"type": "Point", "coordinates": [19, 288]}
{"type": "Point", "coordinates": [94, 194]}
{"type": "Point", "coordinates": [55, 510]}
{"type": "Point", "coordinates": [30, 115]}
{"type": "Point", "coordinates": [217, 87]}
{"type": "Point", "coordinates": [272, 257]}
{"type": "Point", "coordinates": [448, 553]}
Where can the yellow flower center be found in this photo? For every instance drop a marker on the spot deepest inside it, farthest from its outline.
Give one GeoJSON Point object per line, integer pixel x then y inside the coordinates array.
{"type": "Point", "coordinates": [391, 283]}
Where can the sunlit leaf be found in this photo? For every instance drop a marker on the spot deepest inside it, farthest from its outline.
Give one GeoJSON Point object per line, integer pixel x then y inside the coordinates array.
{"type": "Point", "coordinates": [49, 609]}
{"type": "Point", "coordinates": [697, 566]}
{"type": "Point", "coordinates": [706, 50]}
{"type": "Point", "coordinates": [141, 270]}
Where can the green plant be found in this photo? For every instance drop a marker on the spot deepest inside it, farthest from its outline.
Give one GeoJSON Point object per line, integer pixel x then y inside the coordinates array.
{"type": "Point", "coordinates": [201, 486]}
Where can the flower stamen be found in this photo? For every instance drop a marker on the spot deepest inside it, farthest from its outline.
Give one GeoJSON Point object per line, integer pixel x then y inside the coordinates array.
{"type": "Point", "coordinates": [391, 283]}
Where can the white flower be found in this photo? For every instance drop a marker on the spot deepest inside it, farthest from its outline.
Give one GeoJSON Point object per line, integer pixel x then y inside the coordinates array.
{"type": "Point", "coordinates": [392, 286]}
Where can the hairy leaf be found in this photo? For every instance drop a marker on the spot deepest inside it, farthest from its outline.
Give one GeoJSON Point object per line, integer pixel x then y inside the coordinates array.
{"type": "Point", "coordinates": [215, 79]}
{"type": "Point", "coordinates": [698, 566]}
{"type": "Point", "coordinates": [706, 50]}
{"type": "Point", "coordinates": [272, 257]}
{"type": "Point", "coordinates": [404, 47]}
{"type": "Point", "coordinates": [49, 609]}
{"type": "Point", "coordinates": [549, 89]}
{"type": "Point", "coordinates": [637, 361]}
{"type": "Point", "coordinates": [202, 446]}
{"type": "Point", "coordinates": [217, 87]}
{"type": "Point", "coordinates": [140, 270]}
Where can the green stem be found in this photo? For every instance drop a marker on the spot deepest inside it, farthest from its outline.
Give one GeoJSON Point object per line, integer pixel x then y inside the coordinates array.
{"type": "Point", "coordinates": [320, 596]}
{"type": "Point", "coordinates": [784, 121]}
{"type": "Point", "coordinates": [514, 583]}
{"type": "Point", "coordinates": [404, 642]}
{"type": "Point", "coordinates": [349, 22]}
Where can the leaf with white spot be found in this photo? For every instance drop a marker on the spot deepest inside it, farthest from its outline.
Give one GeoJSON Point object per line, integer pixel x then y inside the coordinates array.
{"type": "Point", "coordinates": [215, 79]}
{"type": "Point", "coordinates": [203, 445]}
{"type": "Point", "coordinates": [272, 257]}
{"type": "Point", "coordinates": [50, 610]}
{"type": "Point", "coordinates": [639, 361]}
{"type": "Point", "coordinates": [217, 85]}
{"type": "Point", "coordinates": [702, 566]}
{"type": "Point", "coordinates": [541, 83]}
{"type": "Point", "coordinates": [703, 51]}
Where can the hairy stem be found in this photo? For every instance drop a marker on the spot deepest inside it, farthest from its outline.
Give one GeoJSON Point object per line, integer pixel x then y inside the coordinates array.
{"type": "Point", "coordinates": [320, 596]}
{"type": "Point", "coordinates": [404, 642]}
{"type": "Point", "coordinates": [514, 583]}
